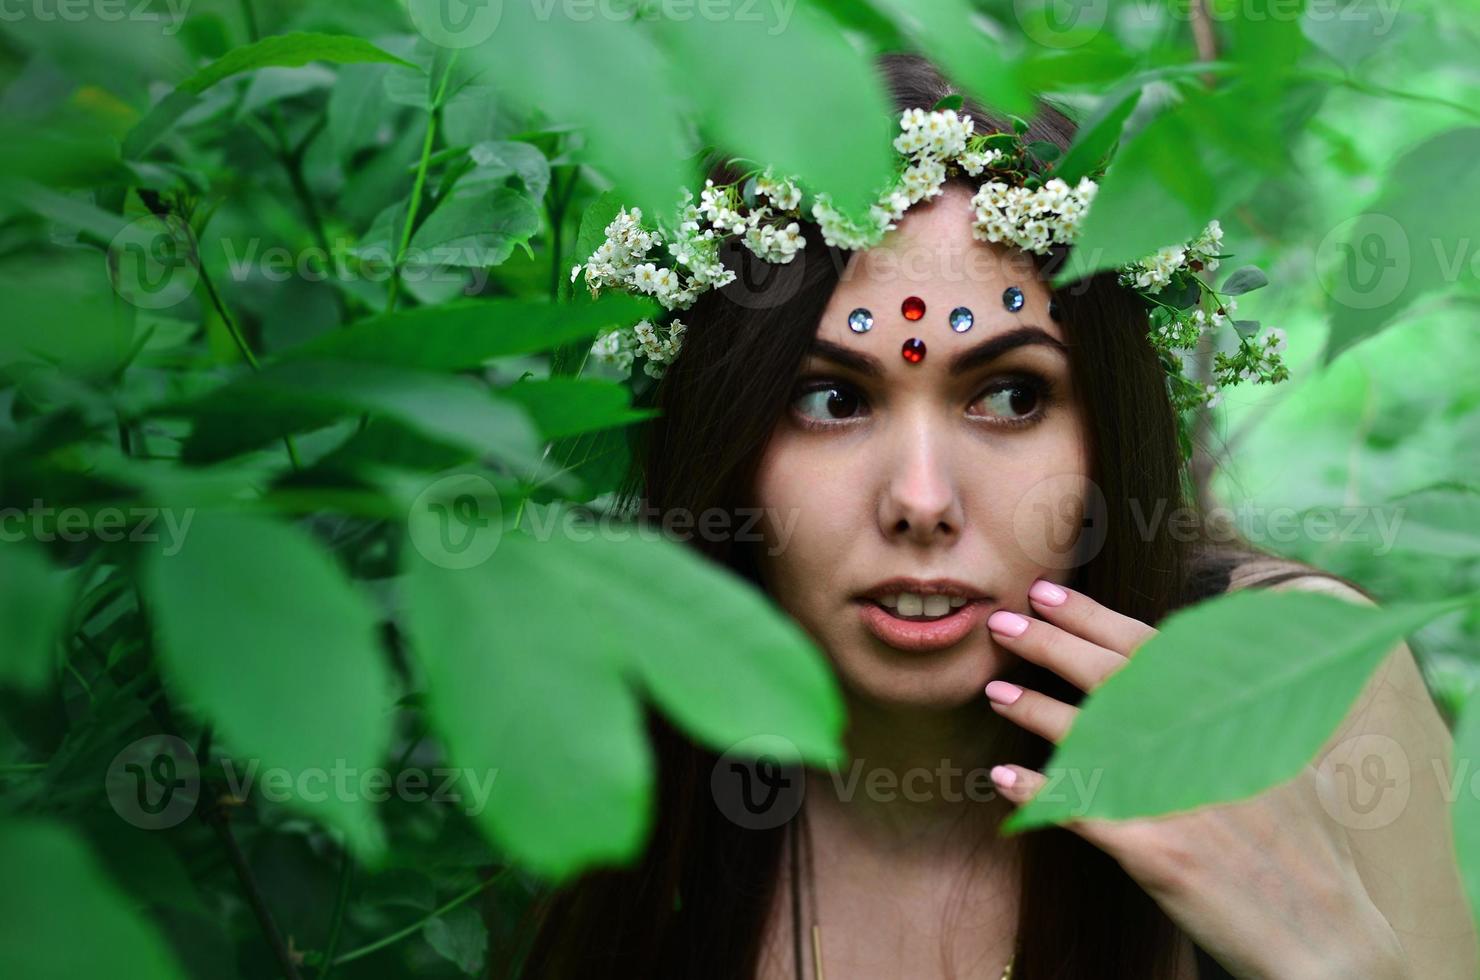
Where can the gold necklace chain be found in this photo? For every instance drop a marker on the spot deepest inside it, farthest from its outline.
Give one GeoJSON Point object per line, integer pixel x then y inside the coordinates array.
{"type": "Point", "coordinates": [817, 927]}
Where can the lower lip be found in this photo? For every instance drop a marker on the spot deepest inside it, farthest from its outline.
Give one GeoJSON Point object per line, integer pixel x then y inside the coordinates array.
{"type": "Point", "coordinates": [917, 636]}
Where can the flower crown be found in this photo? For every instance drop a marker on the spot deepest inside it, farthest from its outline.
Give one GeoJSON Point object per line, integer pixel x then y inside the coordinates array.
{"type": "Point", "coordinates": [1015, 206]}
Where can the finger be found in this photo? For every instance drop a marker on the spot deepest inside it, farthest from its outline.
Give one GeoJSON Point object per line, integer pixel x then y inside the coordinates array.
{"type": "Point", "coordinates": [1076, 660]}
{"type": "Point", "coordinates": [1083, 616]}
{"type": "Point", "coordinates": [1019, 784]}
{"type": "Point", "coordinates": [1040, 714]}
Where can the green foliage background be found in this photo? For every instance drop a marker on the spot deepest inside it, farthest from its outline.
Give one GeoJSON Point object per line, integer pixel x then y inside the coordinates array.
{"type": "Point", "coordinates": [294, 277]}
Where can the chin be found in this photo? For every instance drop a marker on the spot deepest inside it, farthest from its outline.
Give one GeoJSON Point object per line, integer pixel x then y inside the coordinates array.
{"type": "Point", "coordinates": [937, 680]}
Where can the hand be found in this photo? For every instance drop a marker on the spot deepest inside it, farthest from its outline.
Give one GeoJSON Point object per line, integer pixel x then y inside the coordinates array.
{"type": "Point", "coordinates": [1268, 886]}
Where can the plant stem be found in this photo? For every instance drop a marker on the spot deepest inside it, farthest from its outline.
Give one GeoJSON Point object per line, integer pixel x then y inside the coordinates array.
{"type": "Point", "coordinates": [414, 927]}
{"type": "Point", "coordinates": [1382, 91]}
{"type": "Point", "coordinates": [418, 188]}
{"type": "Point", "coordinates": [250, 16]}
{"type": "Point", "coordinates": [243, 346]}
{"type": "Point", "coordinates": [346, 869]}
{"type": "Point", "coordinates": [17, 768]}
{"type": "Point", "coordinates": [216, 817]}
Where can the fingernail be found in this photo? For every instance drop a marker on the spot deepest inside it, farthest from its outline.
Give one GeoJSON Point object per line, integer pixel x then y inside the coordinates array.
{"type": "Point", "coordinates": [1047, 593]}
{"type": "Point", "coordinates": [1006, 623]}
{"type": "Point", "coordinates": [1003, 776]}
{"type": "Point", "coordinates": [1003, 692]}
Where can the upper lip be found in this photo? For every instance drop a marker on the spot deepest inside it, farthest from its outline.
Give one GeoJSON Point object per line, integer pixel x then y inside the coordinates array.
{"type": "Point", "coordinates": [923, 586]}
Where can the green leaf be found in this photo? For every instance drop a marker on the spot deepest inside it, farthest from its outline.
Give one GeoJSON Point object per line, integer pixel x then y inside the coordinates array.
{"type": "Point", "coordinates": [744, 74]}
{"type": "Point", "coordinates": [460, 937]}
{"type": "Point", "coordinates": [1229, 698]}
{"type": "Point", "coordinates": [1440, 520]}
{"type": "Point", "coordinates": [282, 50]}
{"type": "Point", "coordinates": [592, 231]}
{"type": "Point", "coordinates": [528, 704]}
{"type": "Point", "coordinates": [1246, 328]}
{"type": "Point", "coordinates": [520, 683]}
{"type": "Point", "coordinates": [357, 108]}
{"type": "Point", "coordinates": [476, 228]}
{"type": "Point", "coordinates": [1345, 29]}
{"type": "Point", "coordinates": [261, 634]}
{"type": "Point", "coordinates": [1166, 183]}
{"type": "Point", "coordinates": [289, 50]}
{"type": "Point", "coordinates": [469, 334]}
{"type": "Point", "coordinates": [1244, 280]}
{"type": "Point", "coordinates": [272, 85]}
{"type": "Point", "coordinates": [497, 159]}
{"type": "Point", "coordinates": [34, 601]}
{"type": "Point", "coordinates": [1402, 246]}
{"type": "Point", "coordinates": [972, 59]}
{"type": "Point", "coordinates": [295, 396]}
{"type": "Point", "coordinates": [1045, 151]}
{"type": "Point", "coordinates": [609, 79]}
{"type": "Point", "coordinates": [52, 887]}
{"type": "Point", "coordinates": [1465, 811]}
{"type": "Point", "coordinates": [569, 406]}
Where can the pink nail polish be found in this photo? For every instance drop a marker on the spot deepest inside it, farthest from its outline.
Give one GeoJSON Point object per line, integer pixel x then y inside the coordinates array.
{"type": "Point", "coordinates": [1003, 692]}
{"type": "Point", "coordinates": [1003, 776]}
{"type": "Point", "coordinates": [1047, 593]}
{"type": "Point", "coordinates": [1007, 623]}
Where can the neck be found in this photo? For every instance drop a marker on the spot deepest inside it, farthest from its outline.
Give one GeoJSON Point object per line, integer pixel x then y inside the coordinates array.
{"type": "Point", "coordinates": [916, 782]}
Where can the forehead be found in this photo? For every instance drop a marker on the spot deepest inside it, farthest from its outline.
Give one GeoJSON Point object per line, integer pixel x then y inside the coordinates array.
{"type": "Point", "coordinates": [931, 255]}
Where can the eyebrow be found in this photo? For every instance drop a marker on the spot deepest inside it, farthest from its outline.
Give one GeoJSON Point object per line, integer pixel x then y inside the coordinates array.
{"type": "Point", "coordinates": [960, 363]}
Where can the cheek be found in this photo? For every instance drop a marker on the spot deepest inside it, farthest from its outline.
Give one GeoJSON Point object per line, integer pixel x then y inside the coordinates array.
{"type": "Point", "coordinates": [1037, 508]}
{"type": "Point", "coordinates": [808, 514]}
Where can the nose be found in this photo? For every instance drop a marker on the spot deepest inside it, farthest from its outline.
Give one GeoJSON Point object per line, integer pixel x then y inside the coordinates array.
{"type": "Point", "coordinates": [920, 503]}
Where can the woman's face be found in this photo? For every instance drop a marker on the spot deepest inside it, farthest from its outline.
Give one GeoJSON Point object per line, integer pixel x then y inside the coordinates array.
{"type": "Point", "coordinates": [965, 471]}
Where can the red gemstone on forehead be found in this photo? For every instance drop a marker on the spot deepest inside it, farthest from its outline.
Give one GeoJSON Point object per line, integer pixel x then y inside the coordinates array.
{"type": "Point", "coordinates": [913, 307]}
{"type": "Point", "coordinates": [913, 350]}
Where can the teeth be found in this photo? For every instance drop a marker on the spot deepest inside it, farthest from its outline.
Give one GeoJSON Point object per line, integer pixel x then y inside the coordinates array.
{"type": "Point", "coordinates": [914, 604]}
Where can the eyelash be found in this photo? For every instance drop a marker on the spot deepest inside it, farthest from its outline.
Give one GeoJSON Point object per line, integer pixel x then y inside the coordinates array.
{"type": "Point", "coordinates": [1042, 387]}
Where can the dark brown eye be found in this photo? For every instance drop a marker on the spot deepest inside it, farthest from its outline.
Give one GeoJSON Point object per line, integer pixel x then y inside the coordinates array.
{"type": "Point", "coordinates": [1015, 401]}
{"type": "Point", "coordinates": [827, 402]}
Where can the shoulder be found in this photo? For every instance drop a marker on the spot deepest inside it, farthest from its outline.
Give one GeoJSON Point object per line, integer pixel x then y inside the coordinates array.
{"type": "Point", "coordinates": [1390, 763]}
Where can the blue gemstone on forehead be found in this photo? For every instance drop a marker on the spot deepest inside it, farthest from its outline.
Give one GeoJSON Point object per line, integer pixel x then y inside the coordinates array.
{"type": "Point", "coordinates": [1053, 310]}
{"type": "Point", "coordinates": [1012, 298]}
{"type": "Point", "coordinates": [860, 320]}
{"type": "Point", "coordinates": [961, 319]}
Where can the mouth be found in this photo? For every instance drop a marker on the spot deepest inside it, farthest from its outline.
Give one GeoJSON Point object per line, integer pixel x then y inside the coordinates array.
{"type": "Point", "coordinates": [922, 623]}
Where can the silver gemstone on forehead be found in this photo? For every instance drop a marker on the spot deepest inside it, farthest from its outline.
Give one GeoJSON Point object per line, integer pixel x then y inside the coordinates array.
{"type": "Point", "coordinates": [961, 319]}
{"type": "Point", "coordinates": [860, 320]}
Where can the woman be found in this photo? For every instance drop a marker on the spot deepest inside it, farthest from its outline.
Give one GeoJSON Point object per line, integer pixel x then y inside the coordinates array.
{"type": "Point", "coordinates": [887, 480]}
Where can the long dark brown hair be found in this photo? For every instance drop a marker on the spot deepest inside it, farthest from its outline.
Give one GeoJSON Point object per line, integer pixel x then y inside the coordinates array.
{"type": "Point", "coordinates": [697, 902]}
